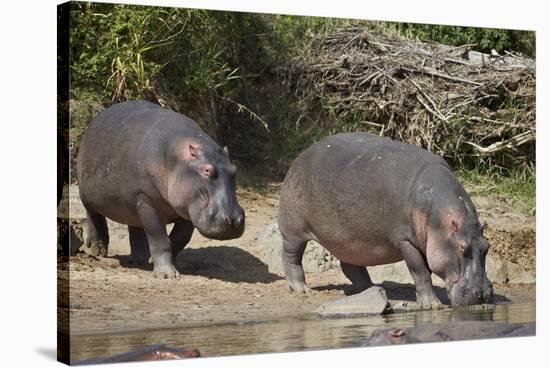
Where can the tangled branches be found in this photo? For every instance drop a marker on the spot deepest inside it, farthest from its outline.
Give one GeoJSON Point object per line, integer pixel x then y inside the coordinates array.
{"type": "Point", "coordinates": [453, 101]}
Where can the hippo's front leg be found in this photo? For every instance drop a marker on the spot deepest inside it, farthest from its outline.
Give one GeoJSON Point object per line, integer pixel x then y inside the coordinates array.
{"type": "Point", "coordinates": [421, 275]}
{"type": "Point", "coordinates": [159, 242]}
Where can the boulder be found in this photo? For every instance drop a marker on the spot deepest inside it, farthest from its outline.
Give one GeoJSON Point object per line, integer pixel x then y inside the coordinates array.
{"type": "Point", "coordinates": [372, 301]}
{"type": "Point", "coordinates": [316, 258]}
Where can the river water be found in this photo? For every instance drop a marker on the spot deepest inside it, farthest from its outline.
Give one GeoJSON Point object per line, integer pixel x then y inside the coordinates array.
{"type": "Point", "coordinates": [298, 333]}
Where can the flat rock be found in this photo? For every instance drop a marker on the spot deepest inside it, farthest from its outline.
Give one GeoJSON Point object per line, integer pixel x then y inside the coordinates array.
{"type": "Point", "coordinates": [372, 301]}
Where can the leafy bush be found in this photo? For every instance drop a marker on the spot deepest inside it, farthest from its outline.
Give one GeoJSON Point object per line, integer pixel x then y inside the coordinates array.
{"type": "Point", "coordinates": [228, 71]}
{"type": "Point", "coordinates": [482, 39]}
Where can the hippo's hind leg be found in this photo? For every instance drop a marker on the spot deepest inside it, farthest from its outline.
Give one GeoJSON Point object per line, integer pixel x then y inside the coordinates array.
{"type": "Point", "coordinates": [98, 234]}
{"type": "Point", "coordinates": [180, 235]}
{"type": "Point", "coordinates": [358, 275]}
{"type": "Point", "coordinates": [139, 246]}
{"type": "Point", "coordinates": [425, 295]}
{"type": "Point", "coordinates": [293, 251]}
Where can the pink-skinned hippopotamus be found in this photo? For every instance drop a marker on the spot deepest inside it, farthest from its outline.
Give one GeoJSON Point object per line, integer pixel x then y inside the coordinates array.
{"type": "Point", "coordinates": [371, 201]}
{"type": "Point", "coordinates": [146, 166]}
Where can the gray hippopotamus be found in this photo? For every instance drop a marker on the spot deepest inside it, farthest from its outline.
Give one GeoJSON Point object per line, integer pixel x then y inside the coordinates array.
{"type": "Point", "coordinates": [370, 201]}
{"type": "Point", "coordinates": [448, 331]}
{"type": "Point", "coordinates": [146, 166]}
{"type": "Point", "coordinates": [154, 353]}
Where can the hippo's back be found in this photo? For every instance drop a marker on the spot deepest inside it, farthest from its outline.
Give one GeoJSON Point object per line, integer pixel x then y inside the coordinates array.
{"type": "Point", "coordinates": [122, 134]}
{"type": "Point", "coordinates": [131, 121]}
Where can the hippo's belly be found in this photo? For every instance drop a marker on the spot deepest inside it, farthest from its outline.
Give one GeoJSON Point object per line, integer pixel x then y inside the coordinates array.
{"type": "Point", "coordinates": [362, 252]}
{"type": "Point", "coordinates": [121, 206]}
{"type": "Point", "coordinates": [120, 214]}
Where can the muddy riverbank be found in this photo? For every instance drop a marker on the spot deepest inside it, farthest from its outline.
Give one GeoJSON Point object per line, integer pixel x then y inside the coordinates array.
{"type": "Point", "coordinates": [230, 281]}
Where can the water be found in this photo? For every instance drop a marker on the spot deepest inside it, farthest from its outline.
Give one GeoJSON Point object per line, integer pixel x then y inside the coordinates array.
{"type": "Point", "coordinates": [304, 332]}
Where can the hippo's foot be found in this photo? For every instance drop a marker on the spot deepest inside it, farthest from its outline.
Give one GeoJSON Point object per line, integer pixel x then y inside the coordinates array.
{"type": "Point", "coordinates": [165, 272]}
{"type": "Point", "coordinates": [98, 249]}
{"type": "Point", "coordinates": [295, 278]}
{"type": "Point", "coordinates": [299, 287]}
{"type": "Point", "coordinates": [429, 302]}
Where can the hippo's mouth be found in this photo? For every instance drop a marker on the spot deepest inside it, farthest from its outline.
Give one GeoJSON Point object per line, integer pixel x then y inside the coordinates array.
{"type": "Point", "coordinates": [462, 294]}
{"type": "Point", "coordinates": [222, 233]}
{"type": "Point", "coordinates": [204, 199]}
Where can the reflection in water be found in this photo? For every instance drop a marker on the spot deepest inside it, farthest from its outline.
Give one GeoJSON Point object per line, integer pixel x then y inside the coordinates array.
{"type": "Point", "coordinates": [286, 335]}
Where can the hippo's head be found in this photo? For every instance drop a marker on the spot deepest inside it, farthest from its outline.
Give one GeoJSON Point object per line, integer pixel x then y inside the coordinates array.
{"type": "Point", "coordinates": [201, 187]}
{"type": "Point", "coordinates": [460, 261]}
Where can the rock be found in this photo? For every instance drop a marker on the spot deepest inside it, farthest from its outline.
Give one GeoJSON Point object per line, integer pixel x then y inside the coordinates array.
{"type": "Point", "coordinates": [70, 204]}
{"type": "Point", "coordinates": [405, 306]}
{"type": "Point", "coordinates": [316, 258]}
{"type": "Point", "coordinates": [372, 301]}
{"type": "Point", "coordinates": [504, 271]}
{"type": "Point", "coordinates": [396, 272]}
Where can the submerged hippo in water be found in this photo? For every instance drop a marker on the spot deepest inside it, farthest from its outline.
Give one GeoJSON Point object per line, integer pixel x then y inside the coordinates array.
{"type": "Point", "coordinates": [372, 201]}
{"type": "Point", "coordinates": [154, 353]}
{"type": "Point", "coordinates": [448, 331]}
{"type": "Point", "coordinates": [145, 166]}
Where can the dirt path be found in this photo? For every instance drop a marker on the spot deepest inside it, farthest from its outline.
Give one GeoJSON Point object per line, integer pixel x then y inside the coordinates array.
{"type": "Point", "coordinates": [221, 281]}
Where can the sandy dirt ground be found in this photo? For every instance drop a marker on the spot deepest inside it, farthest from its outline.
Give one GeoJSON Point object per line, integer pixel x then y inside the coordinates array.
{"type": "Point", "coordinates": [227, 281]}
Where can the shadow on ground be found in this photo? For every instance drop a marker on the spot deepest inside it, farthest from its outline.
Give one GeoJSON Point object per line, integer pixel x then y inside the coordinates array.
{"type": "Point", "coordinates": [227, 263]}
{"type": "Point", "coordinates": [402, 292]}
{"type": "Point", "coordinates": [126, 261]}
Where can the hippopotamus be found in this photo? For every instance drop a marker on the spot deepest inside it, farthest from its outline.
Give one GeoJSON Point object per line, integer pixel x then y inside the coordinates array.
{"type": "Point", "coordinates": [448, 331]}
{"type": "Point", "coordinates": [146, 166]}
{"type": "Point", "coordinates": [369, 201]}
{"type": "Point", "coordinates": [154, 353]}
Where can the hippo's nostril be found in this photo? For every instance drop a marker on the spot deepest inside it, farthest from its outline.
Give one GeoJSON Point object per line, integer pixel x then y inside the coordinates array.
{"type": "Point", "coordinates": [477, 293]}
{"type": "Point", "coordinates": [239, 219]}
{"type": "Point", "coordinates": [226, 219]}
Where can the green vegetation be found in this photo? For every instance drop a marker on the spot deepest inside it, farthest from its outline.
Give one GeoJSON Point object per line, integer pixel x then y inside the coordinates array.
{"type": "Point", "coordinates": [229, 72]}
{"type": "Point", "coordinates": [484, 39]}
{"type": "Point", "coordinates": [518, 188]}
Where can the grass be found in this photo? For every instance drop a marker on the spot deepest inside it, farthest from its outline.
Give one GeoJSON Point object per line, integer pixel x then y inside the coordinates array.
{"type": "Point", "coordinates": [518, 188]}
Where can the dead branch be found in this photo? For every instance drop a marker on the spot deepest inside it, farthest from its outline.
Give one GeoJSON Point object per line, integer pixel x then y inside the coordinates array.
{"type": "Point", "coordinates": [441, 97]}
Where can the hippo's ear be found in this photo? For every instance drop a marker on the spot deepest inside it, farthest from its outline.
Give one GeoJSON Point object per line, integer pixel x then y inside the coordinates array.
{"type": "Point", "coordinates": [226, 150]}
{"type": "Point", "coordinates": [483, 227]}
{"type": "Point", "coordinates": [194, 150]}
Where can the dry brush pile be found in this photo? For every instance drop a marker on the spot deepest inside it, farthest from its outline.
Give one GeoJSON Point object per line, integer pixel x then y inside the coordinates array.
{"type": "Point", "coordinates": [456, 102]}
